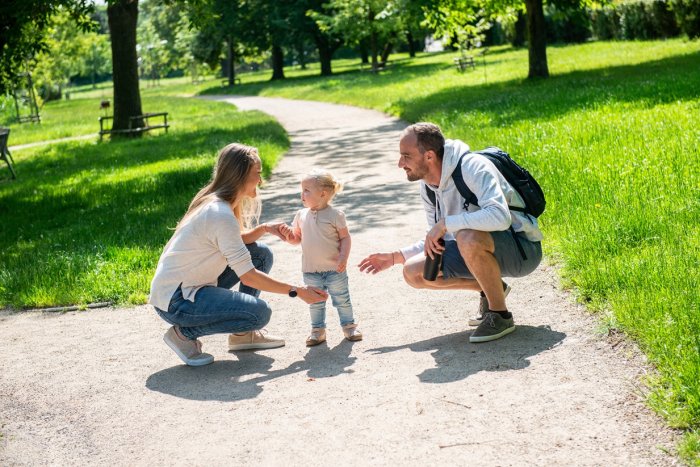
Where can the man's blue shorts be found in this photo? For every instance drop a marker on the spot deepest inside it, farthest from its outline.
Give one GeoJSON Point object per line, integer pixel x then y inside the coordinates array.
{"type": "Point", "coordinates": [507, 254]}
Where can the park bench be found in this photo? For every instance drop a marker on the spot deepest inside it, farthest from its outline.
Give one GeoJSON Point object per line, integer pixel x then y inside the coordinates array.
{"type": "Point", "coordinates": [464, 62]}
{"type": "Point", "coordinates": [224, 82]}
{"type": "Point", "coordinates": [5, 152]}
{"type": "Point", "coordinates": [134, 127]}
{"type": "Point", "coordinates": [32, 118]}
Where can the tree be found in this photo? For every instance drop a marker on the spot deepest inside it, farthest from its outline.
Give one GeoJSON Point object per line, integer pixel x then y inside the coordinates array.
{"type": "Point", "coordinates": [228, 22]}
{"type": "Point", "coordinates": [465, 18]}
{"type": "Point", "coordinates": [327, 42]}
{"type": "Point", "coordinates": [97, 59]}
{"type": "Point", "coordinates": [122, 16]}
{"type": "Point", "coordinates": [62, 58]}
{"type": "Point", "coordinates": [358, 20]}
{"type": "Point", "coordinates": [70, 53]}
{"type": "Point", "coordinates": [23, 25]}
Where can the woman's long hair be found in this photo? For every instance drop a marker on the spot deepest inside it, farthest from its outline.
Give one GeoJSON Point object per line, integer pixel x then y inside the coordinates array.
{"type": "Point", "coordinates": [232, 168]}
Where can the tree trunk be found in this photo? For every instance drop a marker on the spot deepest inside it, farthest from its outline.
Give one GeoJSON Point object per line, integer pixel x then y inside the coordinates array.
{"type": "Point", "coordinates": [122, 17]}
{"type": "Point", "coordinates": [325, 52]}
{"type": "Point", "coordinates": [537, 39]}
{"type": "Point", "coordinates": [385, 53]}
{"type": "Point", "coordinates": [277, 62]}
{"type": "Point", "coordinates": [230, 61]}
{"type": "Point", "coordinates": [373, 43]}
{"type": "Point", "coordinates": [520, 30]}
{"type": "Point", "coordinates": [301, 56]}
{"type": "Point", "coordinates": [364, 55]}
{"type": "Point", "coordinates": [411, 44]}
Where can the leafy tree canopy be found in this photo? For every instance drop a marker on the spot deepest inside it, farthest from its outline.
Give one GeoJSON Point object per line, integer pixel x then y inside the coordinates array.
{"type": "Point", "coordinates": [23, 24]}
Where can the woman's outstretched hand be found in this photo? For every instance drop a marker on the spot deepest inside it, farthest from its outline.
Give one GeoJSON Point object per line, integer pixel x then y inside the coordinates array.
{"type": "Point", "coordinates": [311, 294]}
{"type": "Point", "coordinates": [376, 263]}
{"type": "Point", "coordinates": [279, 229]}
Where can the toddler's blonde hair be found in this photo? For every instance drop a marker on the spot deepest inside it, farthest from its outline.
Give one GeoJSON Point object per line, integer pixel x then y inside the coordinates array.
{"type": "Point", "coordinates": [326, 180]}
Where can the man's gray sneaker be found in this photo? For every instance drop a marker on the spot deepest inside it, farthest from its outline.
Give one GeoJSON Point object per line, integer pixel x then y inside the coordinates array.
{"type": "Point", "coordinates": [492, 327]}
{"type": "Point", "coordinates": [484, 306]}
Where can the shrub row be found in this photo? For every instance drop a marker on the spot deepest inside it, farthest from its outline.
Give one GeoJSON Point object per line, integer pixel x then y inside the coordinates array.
{"type": "Point", "coordinates": [628, 20]}
{"type": "Point", "coordinates": [635, 20]}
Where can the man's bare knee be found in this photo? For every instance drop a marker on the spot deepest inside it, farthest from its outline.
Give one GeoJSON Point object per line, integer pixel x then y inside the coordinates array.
{"type": "Point", "coordinates": [413, 277]}
{"type": "Point", "coordinates": [472, 242]}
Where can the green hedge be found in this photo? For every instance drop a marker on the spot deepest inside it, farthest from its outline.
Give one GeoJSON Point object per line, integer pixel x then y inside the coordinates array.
{"type": "Point", "coordinates": [634, 20]}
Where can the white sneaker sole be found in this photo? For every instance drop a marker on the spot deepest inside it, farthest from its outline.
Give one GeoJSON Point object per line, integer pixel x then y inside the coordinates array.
{"type": "Point", "coordinates": [476, 320]}
{"type": "Point", "coordinates": [261, 345]}
{"type": "Point", "coordinates": [205, 359]}
{"type": "Point", "coordinates": [476, 339]}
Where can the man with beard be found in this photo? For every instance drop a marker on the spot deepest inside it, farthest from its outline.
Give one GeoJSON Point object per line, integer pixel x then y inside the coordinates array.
{"type": "Point", "coordinates": [483, 241]}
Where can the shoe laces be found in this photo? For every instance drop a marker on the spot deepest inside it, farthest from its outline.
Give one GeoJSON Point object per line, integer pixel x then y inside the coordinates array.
{"type": "Point", "coordinates": [490, 319]}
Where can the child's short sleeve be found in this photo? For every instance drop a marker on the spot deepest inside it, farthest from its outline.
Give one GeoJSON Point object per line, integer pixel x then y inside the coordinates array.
{"type": "Point", "coordinates": [296, 223]}
{"type": "Point", "coordinates": [340, 222]}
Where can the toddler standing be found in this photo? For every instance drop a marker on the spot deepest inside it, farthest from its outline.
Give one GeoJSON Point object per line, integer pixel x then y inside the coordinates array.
{"type": "Point", "coordinates": [325, 244]}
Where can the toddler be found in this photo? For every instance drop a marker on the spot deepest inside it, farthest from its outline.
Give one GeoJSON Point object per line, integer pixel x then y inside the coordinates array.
{"type": "Point", "coordinates": [325, 246]}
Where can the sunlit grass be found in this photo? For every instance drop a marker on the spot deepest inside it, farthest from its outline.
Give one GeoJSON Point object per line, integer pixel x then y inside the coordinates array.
{"type": "Point", "coordinates": [86, 222]}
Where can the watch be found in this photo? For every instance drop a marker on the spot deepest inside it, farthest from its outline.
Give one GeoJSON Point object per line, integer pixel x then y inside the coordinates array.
{"type": "Point", "coordinates": [293, 292]}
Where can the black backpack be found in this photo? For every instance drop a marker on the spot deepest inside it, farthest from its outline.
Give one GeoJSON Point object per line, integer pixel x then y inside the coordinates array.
{"type": "Point", "coordinates": [519, 178]}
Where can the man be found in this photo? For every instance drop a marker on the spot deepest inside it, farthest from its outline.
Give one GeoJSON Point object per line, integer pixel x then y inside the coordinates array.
{"type": "Point", "coordinates": [480, 246]}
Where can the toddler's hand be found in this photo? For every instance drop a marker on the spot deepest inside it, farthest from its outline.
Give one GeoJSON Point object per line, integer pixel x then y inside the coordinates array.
{"type": "Point", "coordinates": [286, 231]}
{"type": "Point", "coordinates": [342, 265]}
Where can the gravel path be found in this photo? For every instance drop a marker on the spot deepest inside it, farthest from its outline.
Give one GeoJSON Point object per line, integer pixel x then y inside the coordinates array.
{"type": "Point", "coordinates": [100, 387]}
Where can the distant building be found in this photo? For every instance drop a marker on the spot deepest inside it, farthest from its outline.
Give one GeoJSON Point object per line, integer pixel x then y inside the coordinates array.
{"type": "Point", "coordinates": [433, 45]}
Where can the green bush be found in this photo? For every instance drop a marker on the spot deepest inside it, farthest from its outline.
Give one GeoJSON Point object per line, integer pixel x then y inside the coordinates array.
{"type": "Point", "coordinates": [634, 20]}
{"type": "Point", "coordinates": [568, 25]}
{"type": "Point", "coordinates": [7, 109]}
{"type": "Point", "coordinates": [634, 23]}
{"type": "Point", "coordinates": [663, 19]}
{"type": "Point", "coordinates": [605, 23]}
{"type": "Point", "coordinates": [687, 14]}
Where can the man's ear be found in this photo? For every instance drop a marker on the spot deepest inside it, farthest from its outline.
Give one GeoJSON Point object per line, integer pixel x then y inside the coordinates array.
{"type": "Point", "coordinates": [430, 154]}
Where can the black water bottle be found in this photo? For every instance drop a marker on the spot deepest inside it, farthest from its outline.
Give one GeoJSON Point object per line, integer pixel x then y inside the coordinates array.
{"type": "Point", "coordinates": [432, 265]}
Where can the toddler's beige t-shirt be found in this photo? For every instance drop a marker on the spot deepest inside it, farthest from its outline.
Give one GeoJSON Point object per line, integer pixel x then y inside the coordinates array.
{"type": "Point", "coordinates": [320, 243]}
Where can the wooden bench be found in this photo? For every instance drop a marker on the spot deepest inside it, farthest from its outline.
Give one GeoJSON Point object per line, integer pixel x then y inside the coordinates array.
{"type": "Point", "coordinates": [224, 82]}
{"type": "Point", "coordinates": [134, 121]}
{"type": "Point", "coordinates": [464, 62]}
{"type": "Point", "coordinates": [33, 118]}
{"type": "Point", "coordinates": [5, 152]}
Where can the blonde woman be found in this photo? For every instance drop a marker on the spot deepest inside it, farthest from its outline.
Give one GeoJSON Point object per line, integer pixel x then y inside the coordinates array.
{"type": "Point", "coordinates": [325, 244]}
{"type": "Point", "coordinates": [213, 248]}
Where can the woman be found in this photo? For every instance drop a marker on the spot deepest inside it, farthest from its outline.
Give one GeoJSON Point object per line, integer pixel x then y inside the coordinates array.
{"type": "Point", "coordinates": [212, 249]}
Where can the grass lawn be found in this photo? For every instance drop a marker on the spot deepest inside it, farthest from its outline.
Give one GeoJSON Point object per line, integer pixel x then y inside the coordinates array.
{"type": "Point", "coordinates": [85, 222]}
{"type": "Point", "coordinates": [614, 138]}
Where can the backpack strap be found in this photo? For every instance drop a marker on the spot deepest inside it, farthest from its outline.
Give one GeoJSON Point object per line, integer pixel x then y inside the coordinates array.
{"type": "Point", "coordinates": [430, 194]}
{"type": "Point", "coordinates": [464, 191]}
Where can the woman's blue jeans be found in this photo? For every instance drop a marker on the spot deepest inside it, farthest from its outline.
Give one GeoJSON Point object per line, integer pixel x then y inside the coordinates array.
{"type": "Point", "coordinates": [336, 283]}
{"type": "Point", "coordinates": [219, 309]}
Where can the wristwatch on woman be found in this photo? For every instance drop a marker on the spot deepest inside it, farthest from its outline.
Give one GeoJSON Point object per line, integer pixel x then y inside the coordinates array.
{"type": "Point", "coordinates": [293, 292]}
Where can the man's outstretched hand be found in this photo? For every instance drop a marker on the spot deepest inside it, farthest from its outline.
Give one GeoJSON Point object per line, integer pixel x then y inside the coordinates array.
{"type": "Point", "coordinates": [376, 262]}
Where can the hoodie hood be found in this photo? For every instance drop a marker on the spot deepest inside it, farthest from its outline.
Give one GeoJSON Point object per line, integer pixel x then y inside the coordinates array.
{"type": "Point", "coordinates": [454, 149]}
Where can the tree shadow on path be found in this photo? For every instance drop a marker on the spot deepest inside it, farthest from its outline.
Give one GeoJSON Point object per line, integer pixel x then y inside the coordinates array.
{"type": "Point", "coordinates": [231, 380]}
{"type": "Point", "coordinates": [457, 359]}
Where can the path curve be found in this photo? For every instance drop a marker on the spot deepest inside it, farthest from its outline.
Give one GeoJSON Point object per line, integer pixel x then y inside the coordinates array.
{"type": "Point", "coordinates": [100, 387]}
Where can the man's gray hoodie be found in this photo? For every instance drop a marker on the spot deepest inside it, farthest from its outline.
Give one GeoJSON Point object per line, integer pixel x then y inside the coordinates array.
{"type": "Point", "coordinates": [491, 189]}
